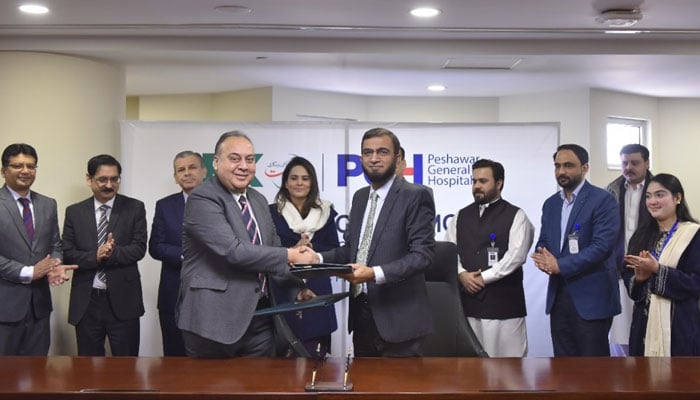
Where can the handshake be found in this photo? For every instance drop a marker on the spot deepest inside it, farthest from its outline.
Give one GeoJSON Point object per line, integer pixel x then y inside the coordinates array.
{"type": "Point", "coordinates": [303, 253]}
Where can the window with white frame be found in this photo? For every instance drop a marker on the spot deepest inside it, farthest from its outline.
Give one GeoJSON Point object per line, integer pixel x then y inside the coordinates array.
{"type": "Point", "coordinates": [622, 131]}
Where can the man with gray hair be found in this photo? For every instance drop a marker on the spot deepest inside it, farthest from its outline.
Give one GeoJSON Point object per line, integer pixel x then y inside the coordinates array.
{"type": "Point", "coordinates": [165, 245]}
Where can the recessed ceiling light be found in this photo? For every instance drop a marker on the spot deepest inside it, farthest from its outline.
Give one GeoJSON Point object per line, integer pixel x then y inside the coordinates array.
{"type": "Point", "coordinates": [622, 32]}
{"type": "Point", "coordinates": [33, 9]}
{"type": "Point", "coordinates": [425, 12]}
{"type": "Point", "coordinates": [233, 9]}
{"type": "Point", "coordinates": [619, 18]}
{"type": "Point", "coordinates": [437, 88]}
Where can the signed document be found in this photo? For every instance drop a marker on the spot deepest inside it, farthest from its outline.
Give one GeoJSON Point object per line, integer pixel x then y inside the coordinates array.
{"type": "Point", "coordinates": [318, 301]}
{"type": "Point", "coordinates": [306, 271]}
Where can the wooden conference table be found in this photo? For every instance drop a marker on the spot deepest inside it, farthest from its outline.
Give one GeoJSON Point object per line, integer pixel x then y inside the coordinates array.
{"type": "Point", "coordinates": [59, 377]}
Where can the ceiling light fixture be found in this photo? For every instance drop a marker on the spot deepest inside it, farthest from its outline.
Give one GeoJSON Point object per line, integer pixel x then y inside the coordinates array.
{"type": "Point", "coordinates": [425, 12]}
{"type": "Point", "coordinates": [617, 18]}
{"type": "Point", "coordinates": [437, 88]}
{"type": "Point", "coordinates": [35, 9]}
{"type": "Point", "coordinates": [233, 9]}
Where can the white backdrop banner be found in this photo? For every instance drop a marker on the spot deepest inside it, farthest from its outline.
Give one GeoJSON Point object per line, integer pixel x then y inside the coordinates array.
{"type": "Point", "coordinates": [438, 155]}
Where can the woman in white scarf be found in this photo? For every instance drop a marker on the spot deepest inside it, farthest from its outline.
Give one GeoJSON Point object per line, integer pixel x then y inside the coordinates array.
{"type": "Point", "coordinates": [663, 275]}
{"type": "Point", "coordinates": [302, 218]}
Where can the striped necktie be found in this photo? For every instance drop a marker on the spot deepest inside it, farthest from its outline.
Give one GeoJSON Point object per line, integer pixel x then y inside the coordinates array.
{"type": "Point", "coordinates": [250, 224]}
{"type": "Point", "coordinates": [102, 238]}
{"type": "Point", "coordinates": [254, 235]}
{"type": "Point", "coordinates": [27, 218]}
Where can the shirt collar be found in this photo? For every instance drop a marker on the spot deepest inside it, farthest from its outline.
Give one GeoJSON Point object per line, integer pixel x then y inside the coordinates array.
{"type": "Point", "coordinates": [639, 185]}
{"type": "Point", "coordinates": [97, 204]}
{"type": "Point", "coordinates": [383, 191]}
{"type": "Point", "coordinates": [17, 196]}
{"type": "Point", "coordinates": [574, 194]}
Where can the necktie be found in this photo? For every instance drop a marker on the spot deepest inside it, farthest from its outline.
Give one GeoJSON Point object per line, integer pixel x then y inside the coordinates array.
{"type": "Point", "coordinates": [102, 238]}
{"type": "Point", "coordinates": [367, 235]}
{"type": "Point", "coordinates": [254, 235]}
{"type": "Point", "coordinates": [366, 238]}
{"type": "Point", "coordinates": [27, 218]}
{"type": "Point", "coordinates": [250, 224]}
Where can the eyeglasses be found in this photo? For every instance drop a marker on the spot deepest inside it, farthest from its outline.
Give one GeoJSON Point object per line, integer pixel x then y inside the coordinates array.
{"type": "Point", "coordinates": [381, 152]}
{"type": "Point", "coordinates": [19, 167]}
{"type": "Point", "coordinates": [114, 180]}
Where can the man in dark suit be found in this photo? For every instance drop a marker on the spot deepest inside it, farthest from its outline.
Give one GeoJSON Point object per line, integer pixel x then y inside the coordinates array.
{"type": "Point", "coordinates": [106, 236]}
{"type": "Point", "coordinates": [166, 245]}
{"type": "Point", "coordinates": [576, 248]}
{"type": "Point", "coordinates": [230, 249]}
{"type": "Point", "coordinates": [30, 256]}
{"type": "Point", "coordinates": [389, 239]}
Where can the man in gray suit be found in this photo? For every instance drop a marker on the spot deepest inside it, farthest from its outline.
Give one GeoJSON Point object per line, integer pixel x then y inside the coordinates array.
{"type": "Point", "coordinates": [389, 238]}
{"type": "Point", "coordinates": [30, 256]}
{"type": "Point", "coordinates": [230, 249]}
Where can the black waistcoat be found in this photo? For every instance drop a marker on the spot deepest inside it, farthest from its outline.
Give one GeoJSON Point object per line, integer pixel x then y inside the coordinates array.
{"type": "Point", "coordinates": [502, 299]}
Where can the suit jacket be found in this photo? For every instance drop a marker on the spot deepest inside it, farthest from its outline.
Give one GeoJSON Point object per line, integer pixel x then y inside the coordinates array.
{"type": "Point", "coordinates": [165, 245]}
{"type": "Point", "coordinates": [127, 223]}
{"type": "Point", "coordinates": [219, 287]}
{"type": "Point", "coordinates": [617, 189]}
{"type": "Point", "coordinates": [16, 252]}
{"type": "Point", "coordinates": [402, 244]}
{"type": "Point", "coordinates": [590, 275]}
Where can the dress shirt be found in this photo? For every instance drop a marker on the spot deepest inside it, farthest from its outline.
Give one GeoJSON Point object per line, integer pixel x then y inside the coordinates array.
{"type": "Point", "coordinates": [566, 208]}
{"type": "Point", "coordinates": [26, 274]}
{"type": "Point", "coordinates": [632, 199]}
{"type": "Point", "coordinates": [382, 193]}
{"type": "Point", "coordinates": [520, 239]}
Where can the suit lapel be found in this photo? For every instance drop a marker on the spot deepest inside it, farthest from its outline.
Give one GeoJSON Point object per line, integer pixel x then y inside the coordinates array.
{"type": "Point", "coordinates": [384, 213]}
{"type": "Point", "coordinates": [13, 211]}
{"type": "Point", "coordinates": [113, 216]}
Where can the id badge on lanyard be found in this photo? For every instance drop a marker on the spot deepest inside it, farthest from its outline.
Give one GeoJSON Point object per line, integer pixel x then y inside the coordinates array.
{"type": "Point", "coordinates": [573, 240]}
{"type": "Point", "coordinates": [492, 252]}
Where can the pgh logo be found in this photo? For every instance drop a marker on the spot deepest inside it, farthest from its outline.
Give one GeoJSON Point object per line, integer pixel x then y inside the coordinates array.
{"type": "Point", "coordinates": [209, 162]}
{"type": "Point", "coordinates": [351, 165]}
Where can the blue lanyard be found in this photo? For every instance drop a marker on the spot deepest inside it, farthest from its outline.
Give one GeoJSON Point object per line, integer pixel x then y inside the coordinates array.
{"type": "Point", "coordinates": [668, 237]}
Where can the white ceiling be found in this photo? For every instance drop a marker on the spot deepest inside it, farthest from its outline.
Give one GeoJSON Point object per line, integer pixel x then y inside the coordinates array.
{"type": "Point", "coordinates": [372, 47]}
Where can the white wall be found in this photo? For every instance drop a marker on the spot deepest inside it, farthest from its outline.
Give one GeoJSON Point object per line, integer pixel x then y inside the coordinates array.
{"type": "Point", "coordinates": [68, 108]}
{"type": "Point", "coordinates": [290, 104]}
{"type": "Point", "coordinates": [676, 145]}
{"type": "Point", "coordinates": [432, 109]}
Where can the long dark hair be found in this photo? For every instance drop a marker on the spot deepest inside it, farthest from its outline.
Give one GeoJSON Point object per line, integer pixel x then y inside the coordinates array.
{"type": "Point", "coordinates": [312, 200]}
{"type": "Point", "coordinates": [647, 234]}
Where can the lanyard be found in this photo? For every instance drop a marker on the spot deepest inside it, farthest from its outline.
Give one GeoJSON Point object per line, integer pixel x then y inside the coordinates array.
{"type": "Point", "coordinates": [668, 237]}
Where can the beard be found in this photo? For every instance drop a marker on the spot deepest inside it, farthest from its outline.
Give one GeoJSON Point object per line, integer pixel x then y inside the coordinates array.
{"type": "Point", "coordinates": [569, 183]}
{"type": "Point", "coordinates": [381, 177]}
{"type": "Point", "coordinates": [481, 197]}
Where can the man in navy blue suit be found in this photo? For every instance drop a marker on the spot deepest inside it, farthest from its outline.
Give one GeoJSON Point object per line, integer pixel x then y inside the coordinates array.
{"type": "Point", "coordinates": [576, 248]}
{"type": "Point", "coordinates": [166, 245]}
